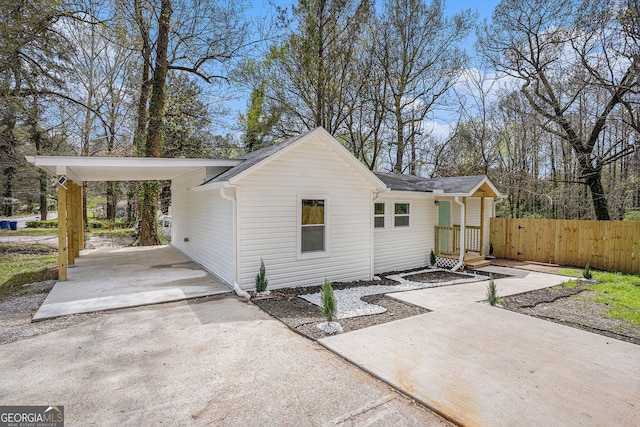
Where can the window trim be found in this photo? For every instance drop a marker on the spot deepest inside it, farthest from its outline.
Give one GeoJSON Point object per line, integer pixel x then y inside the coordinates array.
{"type": "Point", "coordinates": [383, 215]}
{"type": "Point", "coordinates": [327, 205]}
{"type": "Point", "coordinates": [395, 215]}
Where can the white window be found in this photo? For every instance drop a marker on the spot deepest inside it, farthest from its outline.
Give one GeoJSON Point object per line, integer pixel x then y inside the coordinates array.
{"type": "Point", "coordinates": [401, 215]}
{"type": "Point", "coordinates": [378, 215]}
{"type": "Point", "coordinates": [312, 225]}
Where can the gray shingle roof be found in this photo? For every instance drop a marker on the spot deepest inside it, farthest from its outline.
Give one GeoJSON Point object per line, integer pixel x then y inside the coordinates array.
{"type": "Point", "coordinates": [251, 159]}
{"type": "Point", "coordinates": [451, 185]}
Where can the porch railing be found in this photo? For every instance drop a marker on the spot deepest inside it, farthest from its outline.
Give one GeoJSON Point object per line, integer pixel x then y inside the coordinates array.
{"type": "Point", "coordinates": [448, 240]}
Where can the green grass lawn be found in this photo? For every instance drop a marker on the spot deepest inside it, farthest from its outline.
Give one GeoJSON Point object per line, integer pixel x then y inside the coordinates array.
{"type": "Point", "coordinates": [29, 232]}
{"type": "Point", "coordinates": [620, 292]}
{"type": "Point", "coordinates": [21, 264]}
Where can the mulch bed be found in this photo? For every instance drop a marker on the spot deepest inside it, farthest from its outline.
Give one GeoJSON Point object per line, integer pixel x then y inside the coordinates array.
{"type": "Point", "coordinates": [434, 277]}
{"type": "Point", "coordinates": [575, 307]}
{"type": "Point", "coordinates": [302, 316]}
{"type": "Point", "coordinates": [571, 306]}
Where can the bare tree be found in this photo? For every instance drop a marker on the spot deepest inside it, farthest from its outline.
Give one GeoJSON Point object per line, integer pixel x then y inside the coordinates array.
{"type": "Point", "coordinates": [309, 74]}
{"type": "Point", "coordinates": [563, 54]}
{"type": "Point", "coordinates": [417, 50]}
{"type": "Point", "coordinates": [199, 37]}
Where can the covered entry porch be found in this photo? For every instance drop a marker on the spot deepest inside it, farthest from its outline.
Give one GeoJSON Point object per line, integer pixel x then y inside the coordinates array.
{"type": "Point", "coordinates": [461, 236]}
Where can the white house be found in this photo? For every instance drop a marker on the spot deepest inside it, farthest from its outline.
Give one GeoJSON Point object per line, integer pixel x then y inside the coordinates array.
{"type": "Point", "coordinates": [307, 207]}
{"type": "Point", "coordinates": [311, 211]}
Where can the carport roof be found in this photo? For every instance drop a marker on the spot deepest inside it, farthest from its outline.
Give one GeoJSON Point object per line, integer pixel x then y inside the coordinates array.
{"type": "Point", "coordinates": [127, 168]}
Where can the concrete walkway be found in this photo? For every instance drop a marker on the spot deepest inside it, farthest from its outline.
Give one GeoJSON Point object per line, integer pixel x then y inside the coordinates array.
{"type": "Point", "coordinates": [484, 366]}
{"type": "Point", "coordinates": [220, 362]}
{"type": "Point", "coordinates": [110, 278]}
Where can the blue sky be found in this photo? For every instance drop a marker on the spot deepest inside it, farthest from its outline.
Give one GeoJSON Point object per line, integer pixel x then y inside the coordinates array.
{"type": "Point", "coordinates": [258, 8]}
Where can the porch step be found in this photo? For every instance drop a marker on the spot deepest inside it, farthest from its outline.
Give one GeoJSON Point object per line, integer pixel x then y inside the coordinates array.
{"type": "Point", "coordinates": [477, 263]}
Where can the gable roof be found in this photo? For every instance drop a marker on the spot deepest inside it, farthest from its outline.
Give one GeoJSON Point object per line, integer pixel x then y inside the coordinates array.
{"type": "Point", "coordinates": [251, 159]}
{"type": "Point", "coordinates": [256, 159]}
{"type": "Point", "coordinates": [458, 185]}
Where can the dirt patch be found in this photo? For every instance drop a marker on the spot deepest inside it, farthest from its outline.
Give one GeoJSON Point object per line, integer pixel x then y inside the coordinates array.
{"type": "Point", "coordinates": [302, 316]}
{"type": "Point", "coordinates": [98, 241]}
{"type": "Point", "coordinates": [575, 307]}
{"type": "Point", "coordinates": [16, 313]}
{"type": "Point", "coordinates": [25, 249]}
{"type": "Point", "coordinates": [529, 265]}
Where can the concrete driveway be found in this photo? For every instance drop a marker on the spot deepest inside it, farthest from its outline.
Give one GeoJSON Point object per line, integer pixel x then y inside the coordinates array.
{"type": "Point", "coordinates": [484, 366]}
{"type": "Point", "coordinates": [220, 362]}
{"type": "Point", "coordinates": [110, 278]}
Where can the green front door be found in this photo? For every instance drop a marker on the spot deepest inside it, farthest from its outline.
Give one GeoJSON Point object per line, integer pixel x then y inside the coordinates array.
{"type": "Point", "coordinates": [444, 214]}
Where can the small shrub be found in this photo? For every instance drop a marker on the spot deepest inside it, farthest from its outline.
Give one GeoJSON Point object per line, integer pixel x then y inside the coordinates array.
{"type": "Point", "coordinates": [490, 248]}
{"type": "Point", "coordinates": [432, 258]}
{"type": "Point", "coordinates": [586, 273]}
{"type": "Point", "coordinates": [492, 291]}
{"type": "Point", "coordinates": [261, 278]}
{"type": "Point", "coordinates": [329, 304]}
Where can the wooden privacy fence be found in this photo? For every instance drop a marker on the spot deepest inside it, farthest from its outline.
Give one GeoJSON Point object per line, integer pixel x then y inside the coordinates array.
{"type": "Point", "coordinates": [605, 245]}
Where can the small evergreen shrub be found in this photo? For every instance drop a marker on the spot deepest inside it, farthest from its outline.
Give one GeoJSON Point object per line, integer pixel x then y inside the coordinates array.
{"type": "Point", "coordinates": [261, 278]}
{"type": "Point", "coordinates": [490, 248]}
{"type": "Point", "coordinates": [328, 300]}
{"type": "Point", "coordinates": [492, 291]}
{"type": "Point", "coordinates": [586, 273]}
{"type": "Point", "coordinates": [432, 258]}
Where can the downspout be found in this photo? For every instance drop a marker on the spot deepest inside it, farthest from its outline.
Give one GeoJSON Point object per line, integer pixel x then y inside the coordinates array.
{"type": "Point", "coordinates": [236, 255]}
{"type": "Point", "coordinates": [460, 263]}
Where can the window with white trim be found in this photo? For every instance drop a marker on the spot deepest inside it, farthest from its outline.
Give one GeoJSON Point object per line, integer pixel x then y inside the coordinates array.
{"type": "Point", "coordinates": [378, 215]}
{"type": "Point", "coordinates": [312, 227]}
{"type": "Point", "coordinates": [401, 215]}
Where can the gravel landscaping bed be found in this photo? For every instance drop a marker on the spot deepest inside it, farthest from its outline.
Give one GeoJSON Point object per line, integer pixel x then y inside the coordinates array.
{"type": "Point", "coordinates": [302, 316]}
{"type": "Point", "coordinates": [360, 304]}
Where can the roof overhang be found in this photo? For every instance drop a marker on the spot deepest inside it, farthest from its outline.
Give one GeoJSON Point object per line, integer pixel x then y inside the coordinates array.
{"type": "Point", "coordinates": [82, 169]}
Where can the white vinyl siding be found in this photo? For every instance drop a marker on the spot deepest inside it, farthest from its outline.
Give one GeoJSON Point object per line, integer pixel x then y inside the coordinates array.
{"type": "Point", "coordinates": [399, 248]}
{"type": "Point", "coordinates": [269, 223]}
{"type": "Point", "coordinates": [205, 219]}
{"type": "Point", "coordinates": [473, 211]}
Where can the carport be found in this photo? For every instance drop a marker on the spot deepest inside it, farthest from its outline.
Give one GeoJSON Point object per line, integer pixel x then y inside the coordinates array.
{"type": "Point", "coordinates": [72, 172]}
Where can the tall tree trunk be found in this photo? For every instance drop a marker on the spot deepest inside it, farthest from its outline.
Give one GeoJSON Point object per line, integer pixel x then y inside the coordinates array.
{"type": "Point", "coordinates": [320, 113]}
{"type": "Point", "coordinates": [9, 162]}
{"type": "Point", "coordinates": [139, 137]}
{"type": "Point", "coordinates": [153, 148]}
{"type": "Point", "coordinates": [111, 201]}
{"type": "Point", "coordinates": [397, 168]}
{"type": "Point", "coordinates": [38, 143]}
{"type": "Point", "coordinates": [145, 84]}
{"type": "Point", "coordinates": [598, 198]}
{"type": "Point", "coordinates": [44, 188]}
